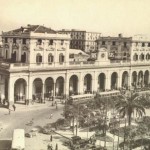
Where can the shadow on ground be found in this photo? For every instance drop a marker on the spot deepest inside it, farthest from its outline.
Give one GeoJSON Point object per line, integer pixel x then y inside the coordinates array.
{"type": "Point", "coordinates": [5, 144]}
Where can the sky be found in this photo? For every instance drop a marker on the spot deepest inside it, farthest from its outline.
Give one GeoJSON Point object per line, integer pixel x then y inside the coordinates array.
{"type": "Point", "coordinates": [109, 17]}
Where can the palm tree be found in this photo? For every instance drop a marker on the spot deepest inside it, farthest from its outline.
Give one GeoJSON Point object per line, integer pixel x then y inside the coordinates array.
{"type": "Point", "coordinates": [129, 103]}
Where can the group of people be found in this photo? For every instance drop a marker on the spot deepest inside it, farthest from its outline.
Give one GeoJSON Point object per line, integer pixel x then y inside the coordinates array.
{"type": "Point", "coordinates": [50, 146]}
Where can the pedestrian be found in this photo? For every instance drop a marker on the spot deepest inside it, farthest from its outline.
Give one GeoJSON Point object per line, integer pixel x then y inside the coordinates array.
{"type": "Point", "coordinates": [52, 103]}
{"type": "Point", "coordinates": [14, 107]}
{"type": "Point", "coordinates": [9, 111]}
{"type": "Point", "coordinates": [51, 115]}
{"type": "Point", "coordinates": [27, 101]}
{"type": "Point", "coordinates": [56, 104]}
{"type": "Point", "coordinates": [48, 147]}
{"type": "Point", "coordinates": [56, 148]}
{"type": "Point", "coordinates": [51, 138]}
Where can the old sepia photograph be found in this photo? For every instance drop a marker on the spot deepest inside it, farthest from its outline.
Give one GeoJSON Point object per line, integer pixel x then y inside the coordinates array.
{"type": "Point", "coordinates": [74, 74]}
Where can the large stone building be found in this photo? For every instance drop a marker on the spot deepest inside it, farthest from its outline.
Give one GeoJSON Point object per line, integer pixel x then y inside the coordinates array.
{"type": "Point", "coordinates": [36, 62]}
{"type": "Point", "coordinates": [82, 39]}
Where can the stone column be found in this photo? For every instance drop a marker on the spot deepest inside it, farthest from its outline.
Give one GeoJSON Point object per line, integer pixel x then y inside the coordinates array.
{"type": "Point", "coordinates": [19, 52]}
{"type": "Point", "coordinates": [55, 54]}
{"type": "Point", "coordinates": [66, 86]}
{"type": "Point", "coordinates": [54, 92]}
{"type": "Point", "coordinates": [119, 84]}
{"type": "Point", "coordinates": [95, 83]}
{"type": "Point", "coordinates": [11, 90]}
{"type": "Point", "coordinates": [108, 81]}
{"type": "Point", "coordinates": [30, 88]}
{"type": "Point", "coordinates": [67, 53]}
{"type": "Point", "coordinates": [43, 91]}
{"type": "Point", "coordinates": [27, 92]}
{"type": "Point", "coordinates": [10, 50]}
{"type": "Point", "coordinates": [81, 84]}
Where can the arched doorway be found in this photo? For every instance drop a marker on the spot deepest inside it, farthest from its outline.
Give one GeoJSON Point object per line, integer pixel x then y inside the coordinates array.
{"type": "Point", "coordinates": [140, 79]}
{"type": "Point", "coordinates": [134, 79]}
{"type": "Point", "coordinates": [114, 81]}
{"type": "Point", "coordinates": [23, 57]}
{"type": "Point", "coordinates": [49, 87]}
{"type": "Point", "coordinates": [146, 78]}
{"type": "Point", "coordinates": [125, 80]}
{"type": "Point", "coordinates": [73, 85]}
{"type": "Point", "coordinates": [37, 89]}
{"type": "Point", "coordinates": [101, 82]}
{"type": "Point", "coordinates": [60, 86]}
{"type": "Point", "coordinates": [88, 84]}
{"type": "Point", "coordinates": [20, 90]}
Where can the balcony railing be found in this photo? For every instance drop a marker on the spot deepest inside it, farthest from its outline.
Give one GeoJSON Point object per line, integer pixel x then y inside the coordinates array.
{"type": "Point", "coordinates": [26, 66]}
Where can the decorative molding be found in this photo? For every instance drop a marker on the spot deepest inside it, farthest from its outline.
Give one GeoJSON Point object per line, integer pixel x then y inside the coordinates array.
{"type": "Point", "coordinates": [6, 46]}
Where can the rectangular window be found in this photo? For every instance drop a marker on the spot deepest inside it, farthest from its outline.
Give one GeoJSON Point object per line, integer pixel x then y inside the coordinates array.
{"type": "Point", "coordinates": [62, 42]}
{"type": "Point", "coordinates": [24, 41]}
{"type": "Point", "coordinates": [113, 43]}
{"type": "Point", "coordinates": [125, 44]}
{"type": "Point", "coordinates": [103, 42]}
{"type": "Point", "coordinates": [50, 42]}
{"type": "Point", "coordinates": [148, 44]}
{"type": "Point", "coordinates": [143, 44]}
{"type": "Point", "coordinates": [6, 40]}
{"type": "Point", "coordinates": [14, 40]}
{"type": "Point", "coordinates": [39, 42]}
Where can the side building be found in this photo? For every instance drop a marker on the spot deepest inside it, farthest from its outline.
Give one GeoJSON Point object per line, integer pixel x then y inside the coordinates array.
{"type": "Point", "coordinates": [83, 40]}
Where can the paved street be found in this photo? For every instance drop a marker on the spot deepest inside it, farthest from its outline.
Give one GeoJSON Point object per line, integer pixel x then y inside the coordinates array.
{"type": "Point", "coordinates": [39, 113]}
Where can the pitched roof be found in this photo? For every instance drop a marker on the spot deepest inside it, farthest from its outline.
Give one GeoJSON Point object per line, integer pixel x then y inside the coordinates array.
{"type": "Point", "coordinates": [77, 51]}
{"type": "Point", "coordinates": [32, 28]}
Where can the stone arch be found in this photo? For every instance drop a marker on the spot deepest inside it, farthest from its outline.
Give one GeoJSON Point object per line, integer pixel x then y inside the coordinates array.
{"type": "Point", "coordinates": [146, 78]}
{"type": "Point", "coordinates": [20, 91]}
{"type": "Point", "coordinates": [140, 79]}
{"type": "Point", "coordinates": [60, 86]}
{"type": "Point", "coordinates": [37, 88]}
{"type": "Point", "coordinates": [87, 83]}
{"type": "Point", "coordinates": [114, 80]}
{"type": "Point", "coordinates": [141, 57]}
{"type": "Point", "coordinates": [125, 79]}
{"type": "Point", "coordinates": [135, 57]}
{"type": "Point", "coordinates": [49, 87]}
{"type": "Point", "coordinates": [134, 79]}
{"type": "Point", "coordinates": [101, 81]}
{"type": "Point", "coordinates": [73, 85]}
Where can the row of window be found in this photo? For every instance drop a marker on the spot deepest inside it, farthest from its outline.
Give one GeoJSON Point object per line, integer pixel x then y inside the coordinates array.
{"type": "Point", "coordinates": [50, 58]}
{"type": "Point", "coordinates": [141, 57]}
{"type": "Point", "coordinates": [39, 41]}
{"type": "Point", "coordinates": [114, 43]}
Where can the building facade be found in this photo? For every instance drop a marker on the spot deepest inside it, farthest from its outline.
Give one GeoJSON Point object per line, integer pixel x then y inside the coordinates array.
{"type": "Point", "coordinates": [82, 39]}
{"type": "Point", "coordinates": [36, 62]}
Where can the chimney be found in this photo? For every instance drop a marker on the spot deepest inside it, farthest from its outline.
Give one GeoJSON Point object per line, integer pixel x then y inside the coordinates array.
{"type": "Point", "coordinates": [120, 35]}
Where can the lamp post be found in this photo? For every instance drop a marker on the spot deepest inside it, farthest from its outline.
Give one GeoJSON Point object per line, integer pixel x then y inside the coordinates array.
{"type": "Point", "coordinates": [118, 134]}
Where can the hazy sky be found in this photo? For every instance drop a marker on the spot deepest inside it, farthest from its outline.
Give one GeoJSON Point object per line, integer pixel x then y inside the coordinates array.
{"type": "Point", "coordinates": [109, 17]}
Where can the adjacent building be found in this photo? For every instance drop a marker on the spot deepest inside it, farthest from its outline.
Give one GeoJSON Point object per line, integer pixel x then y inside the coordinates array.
{"type": "Point", "coordinates": [82, 39]}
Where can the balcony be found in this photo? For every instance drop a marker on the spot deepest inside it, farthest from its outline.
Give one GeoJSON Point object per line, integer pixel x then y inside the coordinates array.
{"type": "Point", "coordinates": [72, 64]}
